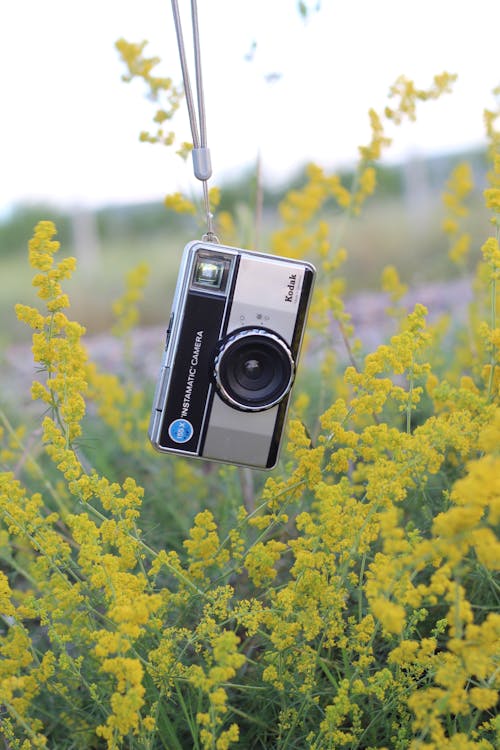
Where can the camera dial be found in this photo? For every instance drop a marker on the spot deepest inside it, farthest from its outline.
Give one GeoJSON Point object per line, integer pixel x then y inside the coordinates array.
{"type": "Point", "coordinates": [253, 369]}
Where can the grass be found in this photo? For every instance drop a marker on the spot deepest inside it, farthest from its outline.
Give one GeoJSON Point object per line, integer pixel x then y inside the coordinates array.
{"type": "Point", "coordinates": [398, 226]}
{"type": "Point", "coordinates": [94, 287]}
{"type": "Point", "coordinates": [92, 292]}
{"type": "Point", "coordinates": [391, 233]}
{"type": "Point", "coordinates": [387, 233]}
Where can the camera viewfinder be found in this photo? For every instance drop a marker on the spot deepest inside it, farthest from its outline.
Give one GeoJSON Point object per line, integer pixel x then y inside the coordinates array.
{"type": "Point", "coordinates": [209, 273]}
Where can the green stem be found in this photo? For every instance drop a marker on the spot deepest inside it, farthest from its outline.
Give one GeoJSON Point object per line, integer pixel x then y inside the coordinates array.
{"type": "Point", "coordinates": [48, 485]}
{"type": "Point", "coordinates": [409, 403]}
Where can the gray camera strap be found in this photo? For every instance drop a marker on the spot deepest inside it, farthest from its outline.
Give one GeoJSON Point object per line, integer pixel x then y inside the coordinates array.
{"type": "Point", "coordinates": [201, 154]}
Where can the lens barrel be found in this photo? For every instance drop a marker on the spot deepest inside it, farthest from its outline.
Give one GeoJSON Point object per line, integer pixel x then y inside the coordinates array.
{"type": "Point", "coordinates": [253, 369]}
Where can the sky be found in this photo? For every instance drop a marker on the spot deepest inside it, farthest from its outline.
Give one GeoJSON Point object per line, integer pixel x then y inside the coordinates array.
{"type": "Point", "coordinates": [69, 126]}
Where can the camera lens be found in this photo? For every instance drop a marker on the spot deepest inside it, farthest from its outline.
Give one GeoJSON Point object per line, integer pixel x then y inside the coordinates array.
{"type": "Point", "coordinates": [254, 369]}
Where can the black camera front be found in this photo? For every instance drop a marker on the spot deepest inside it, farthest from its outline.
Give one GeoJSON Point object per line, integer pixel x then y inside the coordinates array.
{"type": "Point", "coordinates": [254, 369]}
{"type": "Point", "coordinates": [234, 339]}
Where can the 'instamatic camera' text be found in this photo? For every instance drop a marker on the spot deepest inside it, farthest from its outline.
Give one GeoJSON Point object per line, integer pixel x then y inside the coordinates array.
{"type": "Point", "coordinates": [191, 374]}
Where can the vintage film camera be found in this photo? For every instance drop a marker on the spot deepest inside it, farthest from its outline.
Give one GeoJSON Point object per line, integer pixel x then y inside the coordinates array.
{"type": "Point", "coordinates": [232, 346]}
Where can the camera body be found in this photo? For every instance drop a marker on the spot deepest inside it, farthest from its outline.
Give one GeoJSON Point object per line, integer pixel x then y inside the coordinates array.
{"type": "Point", "coordinates": [231, 353]}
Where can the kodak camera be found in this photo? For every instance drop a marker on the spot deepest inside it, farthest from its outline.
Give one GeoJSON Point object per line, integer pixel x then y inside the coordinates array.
{"type": "Point", "coordinates": [232, 346]}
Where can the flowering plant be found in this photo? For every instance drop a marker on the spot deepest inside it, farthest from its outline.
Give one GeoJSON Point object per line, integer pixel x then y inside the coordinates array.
{"type": "Point", "coordinates": [348, 602]}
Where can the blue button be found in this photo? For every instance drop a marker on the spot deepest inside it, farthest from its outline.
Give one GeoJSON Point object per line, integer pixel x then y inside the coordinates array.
{"type": "Point", "coordinates": [180, 431]}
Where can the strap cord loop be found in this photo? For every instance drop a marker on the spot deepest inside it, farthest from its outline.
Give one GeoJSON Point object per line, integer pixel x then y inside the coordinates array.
{"type": "Point", "coordinates": [202, 165]}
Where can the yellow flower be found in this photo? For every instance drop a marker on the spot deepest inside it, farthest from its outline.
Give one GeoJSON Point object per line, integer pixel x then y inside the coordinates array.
{"type": "Point", "coordinates": [6, 606]}
{"type": "Point", "coordinates": [139, 66]}
{"type": "Point", "coordinates": [460, 249]}
{"type": "Point", "coordinates": [483, 698]}
{"type": "Point", "coordinates": [125, 308]}
{"type": "Point", "coordinates": [126, 701]}
{"type": "Point", "coordinates": [408, 95]}
{"type": "Point", "coordinates": [367, 183]}
{"type": "Point", "coordinates": [392, 616]}
{"type": "Point", "coordinates": [204, 546]}
{"type": "Point", "coordinates": [379, 140]}
{"type": "Point", "coordinates": [180, 204]}
{"type": "Point", "coordinates": [261, 559]}
{"type": "Point", "coordinates": [459, 187]}
{"type": "Point", "coordinates": [492, 197]}
{"type": "Point", "coordinates": [214, 196]}
{"type": "Point", "coordinates": [392, 285]}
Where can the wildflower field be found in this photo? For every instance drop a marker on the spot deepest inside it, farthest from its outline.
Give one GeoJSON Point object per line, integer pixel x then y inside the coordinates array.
{"type": "Point", "coordinates": [349, 599]}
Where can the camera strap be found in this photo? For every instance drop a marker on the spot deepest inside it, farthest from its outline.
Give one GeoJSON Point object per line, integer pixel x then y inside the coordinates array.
{"type": "Point", "coordinates": [197, 119]}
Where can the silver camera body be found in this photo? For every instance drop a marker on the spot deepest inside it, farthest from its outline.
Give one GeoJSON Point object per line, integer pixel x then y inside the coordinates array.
{"type": "Point", "coordinates": [231, 354]}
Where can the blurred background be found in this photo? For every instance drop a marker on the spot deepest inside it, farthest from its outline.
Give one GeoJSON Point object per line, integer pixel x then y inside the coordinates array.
{"type": "Point", "coordinates": [286, 83]}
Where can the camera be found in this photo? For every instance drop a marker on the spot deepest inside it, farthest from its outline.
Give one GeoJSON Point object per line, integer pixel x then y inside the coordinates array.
{"type": "Point", "coordinates": [231, 354]}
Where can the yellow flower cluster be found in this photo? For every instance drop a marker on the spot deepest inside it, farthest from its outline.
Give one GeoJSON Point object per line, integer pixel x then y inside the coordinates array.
{"type": "Point", "coordinates": [492, 194]}
{"type": "Point", "coordinates": [11, 444]}
{"type": "Point", "coordinates": [120, 404]}
{"type": "Point", "coordinates": [56, 341]}
{"type": "Point", "coordinates": [459, 187]}
{"type": "Point", "coordinates": [391, 284]}
{"type": "Point", "coordinates": [306, 233]}
{"type": "Point", "coordinates": [373, 150]}
{"type": "Point", "coordinates": [300, 207]}
{"type": "Point", "coordinates": [362, 475]}
{"type": "Point", "coordinates": [178, 203]}
{"type": "Point", "coordinates": [408, 95]}
{"type": "Point", "coordinates": [139, 66]}
{"type": "Point", "coordinates": [182, 205]}
{"type": "Point", "coordinates": [224, 661]}
{"type": "Point", "coordinates": [204, 547]}
{"type": "Point", "coordinates": [261, 559]}
{"type": "Point", "coordinates": [125, 308]}
{"type": "Point", "coordinates": [160, 89]}
{"type": "Point", "coordinates": [21, 678]}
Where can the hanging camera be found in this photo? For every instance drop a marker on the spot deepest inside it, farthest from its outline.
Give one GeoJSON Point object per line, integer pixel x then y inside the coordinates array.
{"type": "Point", "coordinates": [234, 338]}
{"type": "Point", "coordinates": [234, 335]}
